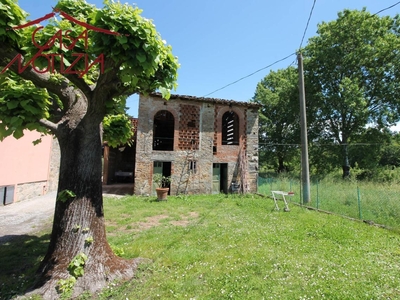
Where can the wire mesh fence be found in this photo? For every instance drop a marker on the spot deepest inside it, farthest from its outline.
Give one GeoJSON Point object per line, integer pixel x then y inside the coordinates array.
{"type": "Point", "coordinates": [371, 202]}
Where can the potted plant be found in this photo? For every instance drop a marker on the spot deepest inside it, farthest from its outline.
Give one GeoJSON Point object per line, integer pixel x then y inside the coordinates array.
{"type": "Point", "coordinates": [162, 183]}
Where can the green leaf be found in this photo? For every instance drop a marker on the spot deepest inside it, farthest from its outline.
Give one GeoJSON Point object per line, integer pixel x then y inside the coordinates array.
{"type": "Point", "coordinates": [36, 142]}
{"type": "Point", "coordinates": [65, 195]}
{"type": "Point", "coordinates": [166, 93]}
{"type": "Point", "coordinates": [12, 104]}
{"type": "Point", "coordinates": [18, 133]}
{"type": "Point", "coordinates": [16, 121]}
{"type": "Point", "coordinates": [134, 81]}
{"type": "Point", "coordinates": [117, 130]}
{"type": "Point", "coordinates": [123, 39]}
{"type": "Point", "coordinates": [141, 57]}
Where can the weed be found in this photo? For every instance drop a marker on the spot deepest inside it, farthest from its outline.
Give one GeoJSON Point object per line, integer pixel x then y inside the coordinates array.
{"type": "Point", "coordinates": [89, 240]}
{"type": "Point", "coordinates": [76, 228]}
{"type": "Point", "coordinates": [65, 195]}
{"type": "Point", "coordinates": [119, 251]}
{"type": "Point", "coordinates": [65, 286]}
{"type": "Point", "coordinates": [76, 266]}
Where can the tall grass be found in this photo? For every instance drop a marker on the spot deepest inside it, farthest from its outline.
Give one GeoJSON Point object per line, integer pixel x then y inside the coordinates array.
{"type": "Point", "coordinates": [377, 202]}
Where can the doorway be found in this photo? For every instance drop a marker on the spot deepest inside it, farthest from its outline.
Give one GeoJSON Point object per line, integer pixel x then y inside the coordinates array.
{"type": "Point", "coordinates": [220, 178]}
{"type": "Point", "coordinates": [163, 168]}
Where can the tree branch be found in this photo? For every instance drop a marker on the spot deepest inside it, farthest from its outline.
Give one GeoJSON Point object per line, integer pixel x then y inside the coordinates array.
{"type": "Point", "coordinates": [41, 80]}
{"type": "Point", "coordinates": [80, 83]}
{"type": "Point", "coordinates": [49, 125]}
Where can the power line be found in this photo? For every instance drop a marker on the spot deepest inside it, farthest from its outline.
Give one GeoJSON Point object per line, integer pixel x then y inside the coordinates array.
{"type": "Point", "coordinates": [386, 8]}
{"type": "Point", "coordinates": [308, 22]}
{"type": "Point", "coordinates": [259, 70]}
{"type": "Point", "coordinates": [301, 43]}
{"type": "Point", "coordinates": [232, 83]}
{"type": "Point", "coordinates": [312, 9]}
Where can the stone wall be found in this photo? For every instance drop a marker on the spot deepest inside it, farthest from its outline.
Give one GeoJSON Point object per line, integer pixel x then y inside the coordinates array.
{"type": "Point", "coordinates": [29, 190]}
{"type": "Point", "coordinates": [197, 138]}
{"type": "Point", "coordinates": [252, 147]}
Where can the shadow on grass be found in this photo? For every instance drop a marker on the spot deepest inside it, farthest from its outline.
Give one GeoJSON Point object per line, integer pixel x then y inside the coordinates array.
{"type": "Point", "coordinates": [20, 256]}
{"type": "Point", "coordinates": [123, 189]}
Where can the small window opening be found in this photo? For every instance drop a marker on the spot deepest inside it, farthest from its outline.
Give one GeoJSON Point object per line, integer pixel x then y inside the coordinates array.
{"type": "Point", "coordinates": [230, 128]}
{"type": "Point", "coordinates": [192, 166]}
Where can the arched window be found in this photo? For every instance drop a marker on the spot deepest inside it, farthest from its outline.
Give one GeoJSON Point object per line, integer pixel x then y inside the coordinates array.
{"type": "Point", "coordinates": [230, 128]}
{"type": "Point", "coordinates": [163, 131]}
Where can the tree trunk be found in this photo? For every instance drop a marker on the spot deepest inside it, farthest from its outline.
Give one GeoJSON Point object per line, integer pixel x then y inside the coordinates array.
{"type": "Point", "coordinates": [346, 164]}
{"type": "Point", "coordinates": [78, 225]}
{"type": "Point", "coordinates": [281, 164]}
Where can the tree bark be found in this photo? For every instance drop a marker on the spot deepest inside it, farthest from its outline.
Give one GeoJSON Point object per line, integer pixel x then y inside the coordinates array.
{"type": "Point", "coordinates": [281, 165]}
{"type": "Point", "coordinates": [346, 164]}
{"type": "Point", "coordinates": [80, 219]}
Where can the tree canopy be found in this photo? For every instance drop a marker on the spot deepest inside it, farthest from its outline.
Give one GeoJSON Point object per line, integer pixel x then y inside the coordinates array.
{"type": "Point", "coordinates": [352, 86]}
{"type": "Point", "coordinates": [352, 66]}
{"type": "Point", "coordinates": [64, 79]}
{"type": "Point", "coordinates": [279, 116]}
{"type": "Point", "coordinates": [135, 60]}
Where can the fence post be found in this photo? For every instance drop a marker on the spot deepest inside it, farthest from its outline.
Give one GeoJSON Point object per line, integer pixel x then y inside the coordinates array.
{"type": "Point", "coordinates": [317, 194]}
{"type": "Point", "coordinates": [301, 193]}
{"type": "Point", "coordinates": [359, 203]}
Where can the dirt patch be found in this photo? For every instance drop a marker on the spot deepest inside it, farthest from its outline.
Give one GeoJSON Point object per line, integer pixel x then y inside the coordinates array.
{"type": "Point", "coordinates": [150, 222]}
{"type": "Point", "coordinates": [154, 221]}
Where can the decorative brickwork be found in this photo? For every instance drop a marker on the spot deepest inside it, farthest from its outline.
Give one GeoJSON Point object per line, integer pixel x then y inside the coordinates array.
{"type": "Point", "coordinates": [189, 127]}
{"type": "Point", "coordinates": [134, 123]}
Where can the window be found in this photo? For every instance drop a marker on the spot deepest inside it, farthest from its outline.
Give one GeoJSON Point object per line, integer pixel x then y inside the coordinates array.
{"type": "Point", "coordinates": [163, 131]}
{"type": "Point", "coordinates": [192, 166]}
{"type": "Point", "coordinates": [230, 128]}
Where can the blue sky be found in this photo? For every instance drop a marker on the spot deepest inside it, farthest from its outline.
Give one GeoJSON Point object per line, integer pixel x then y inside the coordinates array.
{"type": "Point", "coordinates": [219, 42]}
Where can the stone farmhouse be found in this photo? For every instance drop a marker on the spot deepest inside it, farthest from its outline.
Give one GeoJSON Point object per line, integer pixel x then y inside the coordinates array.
{"type": "Point", "coordinates": [205, 145]}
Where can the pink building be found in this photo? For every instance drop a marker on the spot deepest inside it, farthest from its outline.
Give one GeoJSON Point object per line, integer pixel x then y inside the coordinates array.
{"type": "Point", "coordinates": [27, 170]}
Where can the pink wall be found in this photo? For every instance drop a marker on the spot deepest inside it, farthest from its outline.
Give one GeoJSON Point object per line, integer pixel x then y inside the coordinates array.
{"type": "Point", "coordinates": [21, 161]}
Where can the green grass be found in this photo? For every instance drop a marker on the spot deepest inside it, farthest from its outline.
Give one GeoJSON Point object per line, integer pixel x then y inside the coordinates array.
{"type": "Point", "coordinates": [379, 203]}
{"type": "Point", "coordinates": [19, 260]}
{"type": "Point", "coordinates": [238, 247]}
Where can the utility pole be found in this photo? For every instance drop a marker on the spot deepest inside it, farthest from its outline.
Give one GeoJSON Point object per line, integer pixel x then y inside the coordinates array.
{"type": "Point", "coordinates": [305, 172]}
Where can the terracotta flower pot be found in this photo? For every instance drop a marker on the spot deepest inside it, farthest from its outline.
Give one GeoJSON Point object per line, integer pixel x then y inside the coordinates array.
{"type": "Point", "coordinates": [162, 193]}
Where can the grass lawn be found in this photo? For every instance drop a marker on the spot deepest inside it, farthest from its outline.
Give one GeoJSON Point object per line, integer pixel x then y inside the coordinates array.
{"type": "Point", "coordinates": [236, 247]}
